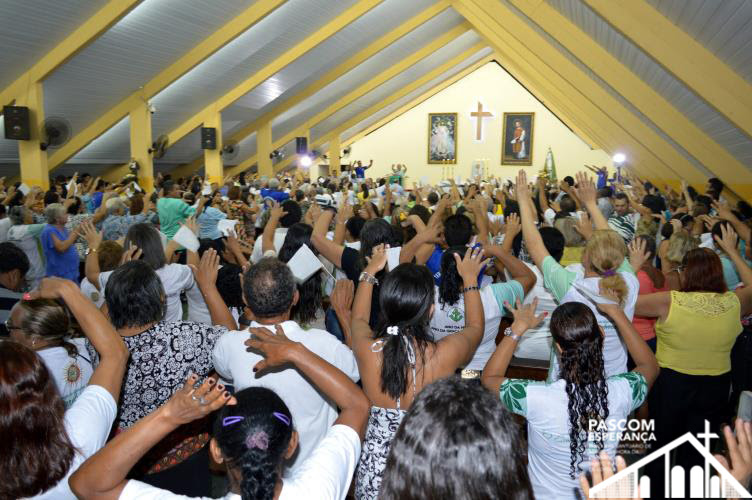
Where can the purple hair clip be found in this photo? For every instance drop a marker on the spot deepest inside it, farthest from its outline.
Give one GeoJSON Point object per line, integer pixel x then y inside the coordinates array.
{"type": "Point", "coordinates": [282, 417]}
{"type": "Point", "coordinates": [609, 273]}
{"type": "Point", "coordinates": [258, 440]}
{"type": "Point", "coordinates": [231, 420]}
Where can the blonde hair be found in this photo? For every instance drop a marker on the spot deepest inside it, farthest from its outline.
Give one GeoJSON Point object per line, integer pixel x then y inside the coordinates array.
{"type": "Point", "coordinates": [604, 253]}
{"type": "Point", "coordinates": [680, 243]}
{"type": "Point", "coordinates": [647, 227]}
{"type": "Point", "coordinates": [567, 227]}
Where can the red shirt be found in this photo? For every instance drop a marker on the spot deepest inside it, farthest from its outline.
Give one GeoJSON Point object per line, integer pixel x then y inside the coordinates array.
{"type": "Point", "coordinates": [646, 326]}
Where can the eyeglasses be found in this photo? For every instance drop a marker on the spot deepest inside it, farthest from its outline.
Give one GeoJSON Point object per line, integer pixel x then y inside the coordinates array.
{"type": "Point", "coordinates": [10, 326]}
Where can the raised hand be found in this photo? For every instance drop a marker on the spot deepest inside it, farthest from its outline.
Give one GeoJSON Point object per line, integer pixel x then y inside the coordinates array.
{"type": "Point", "coordinates": [276, 347]}
{"type": "Point", "coordinates": [470, 265]}
{"type": "Point", "coordinates": [207, 269]}
{"type": "Point", "coordinates": [190, 403]}
{"type": "Point", "coordinates": [723, 210]}
{"type": "Point", "coordinates": [342, 295]}
{"type": "Point", "coordinates": [132, 253]}
{"type": "Point", "coordinates": [584, 225]}
{"type": "Point", "coordinates": [377, 260]}
{"type": "Point", "coordinates": [603, 469]}
{"type": "Point", "coordinates": [91, 235]}
{"type": "Point", "coordinates": [585, 189]}
{"type": "Point", "coordinates": [739, 450]}
{"type": "Point", "coordinates": [521, 189]}
{"type": "Point", "coordinates": [637, 253]}
{"type": "Point", "coordinates": [49, 288]}
{"type": "Point", "coordinates": [276, 211]}
{"type": "Point", "coordinates": [191, 224]}
{"type": "Point", "coordinates": [728, 240]}
{"type": "Point", "coordinates": [524, 316]}
{"type": "Point", "coordinates": [512, 226]}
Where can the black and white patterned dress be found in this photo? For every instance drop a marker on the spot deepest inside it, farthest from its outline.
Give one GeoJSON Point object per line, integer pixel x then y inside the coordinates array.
{"type": "Point", "coordinates": [161, 359]}
{"type": "Point", "coordinates": [382, 426]}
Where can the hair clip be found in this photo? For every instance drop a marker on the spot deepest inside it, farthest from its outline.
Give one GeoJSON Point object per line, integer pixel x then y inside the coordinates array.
{"type": "Point", "coordinates": [609, 273]}
{"type": "Point", "coordinates": [258, 440]}
{"type": "Point", "coordinates": [392, 330]}
{"type": "Point", "coordinates": [231, 420]}
{"type": "Point", "coordinates": [282, 417]}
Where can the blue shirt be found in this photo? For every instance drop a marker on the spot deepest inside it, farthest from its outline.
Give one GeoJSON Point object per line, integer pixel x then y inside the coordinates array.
{"type": "Point", "coordinates": [602, 179]}
{"type": "Point", "coordinates": [62, 265]}
{"type": "Point", "coordinates": [275, 194]}
{"type": "Point", "coordinates": [360, 172]}
{"type": "Point", "coordinates": [207, 223]}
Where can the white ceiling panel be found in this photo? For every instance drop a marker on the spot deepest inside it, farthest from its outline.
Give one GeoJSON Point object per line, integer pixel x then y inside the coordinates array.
{"type": "Point", "coordinates": [112, 147]}
{"type": "Point", "coordinates": [33, 28]}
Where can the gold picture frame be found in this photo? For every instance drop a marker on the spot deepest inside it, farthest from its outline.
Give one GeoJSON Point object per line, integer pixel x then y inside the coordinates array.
{"type": "Point", "coordinates": [442, 139]}
{"type": "Point", "coordinates": [519, 152]}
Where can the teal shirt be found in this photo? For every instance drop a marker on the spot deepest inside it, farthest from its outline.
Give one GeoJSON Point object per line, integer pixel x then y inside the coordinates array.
{"type": "Point", "coordinates": [172, 211]}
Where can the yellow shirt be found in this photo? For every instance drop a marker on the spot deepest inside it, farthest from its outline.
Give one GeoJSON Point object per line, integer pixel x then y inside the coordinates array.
{"type": "Point", "coordinates": [571, 255]}
{"type": "Point", "coordinates": [699, 332]}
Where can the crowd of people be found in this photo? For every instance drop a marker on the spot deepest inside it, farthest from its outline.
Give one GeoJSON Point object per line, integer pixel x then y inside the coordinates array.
{"type": "Point", "coordinates": [294, 337]}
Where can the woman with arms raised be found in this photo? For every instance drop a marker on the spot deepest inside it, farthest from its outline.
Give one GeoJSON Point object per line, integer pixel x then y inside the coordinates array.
{"type": "Point", "coordinates": [561, 434]}
{"type": "Point", "coordinates": [43, 443]}
{"type": "Point", "coordinates": [399, 358]}
{"type": "Point", "coordinates": [253, 435]}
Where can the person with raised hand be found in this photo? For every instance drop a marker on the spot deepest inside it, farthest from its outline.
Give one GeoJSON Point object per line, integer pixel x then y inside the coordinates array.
{"type": "Point", "coordinates": [45, 443]}
{"type": "Point", "coordinates": [399, 358]}
{"type": "Point", "coordinates": [605, 270]}
{"type": "Point", "coordinates": [560, 415]}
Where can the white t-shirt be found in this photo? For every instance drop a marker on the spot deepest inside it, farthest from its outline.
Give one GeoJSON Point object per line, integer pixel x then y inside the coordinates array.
{"type": "Point", "coordinates": [4, 226]}
{"type": "Point", "coordinates": [325, 474]}
{"type": "Point", "coordinates": [175, 278]}
{"type": "Point", "coordinates": [545, 406]}
{"type": "Point", "coordinates": [312, 414]}
{"type": "Point", "coordinates": [71, 374]}
{"type": "Point", "coordinates": [450, 318]}
{"type": "Point", "coordinates": [88, 423]}
{"type": "Point", "coordinates": [25, 237]}
{"type": "Point", "coordinates": [91, 292]}
{"type": "Point", "coordinates": [536, 342]}
{"type": "Point", "coordinates": [279, 239]}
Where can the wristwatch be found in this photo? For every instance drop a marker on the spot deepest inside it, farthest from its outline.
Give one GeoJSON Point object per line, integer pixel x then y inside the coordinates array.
{"type": "Point", "coordinates": [368, 278]}
{"type": "Point", "coordinates": [508, 333]}
{"type": "Point", "coordinates": [91, 250]}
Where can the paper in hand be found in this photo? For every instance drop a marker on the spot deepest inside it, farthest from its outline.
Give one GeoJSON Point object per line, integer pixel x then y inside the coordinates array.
{"type": "Point", "coordinates": [137, 187]}
{"type": "Point", "coordinates": [392, 258]}
{"type": "Point", "coordinates": [206, 190]}
{"type": "Point", "coordinates": [71, 188]}
{"type": "Point", "coordinates": [304, 264]}
{"type": "Point", "coordinates": [24, 189]}
{"type": "Point", "coordinates": [225, 226]}
{"type": "Point", "coordinates": [185, 238]}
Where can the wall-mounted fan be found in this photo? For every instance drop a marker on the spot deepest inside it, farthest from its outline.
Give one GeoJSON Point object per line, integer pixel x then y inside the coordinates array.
{"type": "Point", "coordinates": [346, 151]}
{"type": "Point", "coordinates": [230, 150]}
{"type": "Point", "coordinates": [158, 147]}
{"type": "Point", "coordinates": [55, 132]}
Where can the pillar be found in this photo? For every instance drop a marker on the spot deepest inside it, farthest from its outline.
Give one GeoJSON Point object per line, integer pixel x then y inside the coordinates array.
{"type": "Point", "coordinates": [334, 149]}
{"type": "Point", "coordinates": [141, 142]}
{"type": "Point", "coordinates": [34, 171]}
{"type": "Point", "coordinates": [214, 170]}
{"type": "Point", "coordinates": [264, 149]}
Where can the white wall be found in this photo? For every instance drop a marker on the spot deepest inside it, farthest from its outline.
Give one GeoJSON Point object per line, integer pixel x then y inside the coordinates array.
{"type": "Point", "coordinates": [405, 139]}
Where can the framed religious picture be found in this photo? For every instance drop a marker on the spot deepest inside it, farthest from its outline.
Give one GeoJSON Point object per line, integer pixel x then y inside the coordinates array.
{"type": "Point", "coordinates": [442, 138]}
{"type": "Point", "coordinates": [517, 139]}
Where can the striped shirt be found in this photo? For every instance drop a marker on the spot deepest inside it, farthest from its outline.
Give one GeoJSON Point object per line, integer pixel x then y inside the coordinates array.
{"type": "Point", "coordinates": [625, 225]}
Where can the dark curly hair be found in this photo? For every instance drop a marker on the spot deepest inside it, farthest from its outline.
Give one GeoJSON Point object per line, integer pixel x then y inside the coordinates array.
{"type": "Point", "coordinates": [37, 450]}
{"type": "Point", "coordinates": [259, 468]}
{"type": "Point", "coordinates": [456, 441]}
{"type": "Point", "coordinates": [405, 299]}
{"type": "Point", "coordinates": [575, 330]}
{"type": "Point", "coordinates": [451, 281]}
{"type": "Point", "coordinates": [310, 292]}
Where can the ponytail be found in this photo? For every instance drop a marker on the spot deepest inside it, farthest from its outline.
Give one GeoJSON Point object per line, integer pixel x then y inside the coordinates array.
{"type": "Point", "coordinates": [614, 284]}
{"type": "Point", "coordinates": [605, 252]}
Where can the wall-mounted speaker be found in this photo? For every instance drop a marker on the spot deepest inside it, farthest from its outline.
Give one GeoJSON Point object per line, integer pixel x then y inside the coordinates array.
{"type": "Point", "coordinates": [17, 123]}
{"type": "Point", "coordinates": [301, 145]}
{"type": "Point", "coordinates": [208, 138]}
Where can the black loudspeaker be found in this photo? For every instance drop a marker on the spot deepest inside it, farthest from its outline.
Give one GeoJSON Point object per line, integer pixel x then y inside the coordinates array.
{"type": "Point", "coordinates": [17, 126]}
{"type": "Point", "coordinates": [301, 145]}
{"type": "Point", "coordinates": [208, 138]}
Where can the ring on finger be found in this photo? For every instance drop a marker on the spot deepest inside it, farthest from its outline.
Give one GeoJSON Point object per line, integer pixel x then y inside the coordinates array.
{"type": "Point", "coordinates": [195, 398]}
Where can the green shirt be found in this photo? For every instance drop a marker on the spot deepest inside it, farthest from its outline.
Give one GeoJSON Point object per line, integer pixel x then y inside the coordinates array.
{"type": "Point", "coordinates": [172, 211]}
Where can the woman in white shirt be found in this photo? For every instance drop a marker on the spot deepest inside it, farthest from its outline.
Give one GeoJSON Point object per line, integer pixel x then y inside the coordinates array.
{"type": "Point", "coordinates": [25, 235]}
{"type": "Point", "coordinates": [253, 435]}
{"type": "Point", "coordinates": [43, 444]}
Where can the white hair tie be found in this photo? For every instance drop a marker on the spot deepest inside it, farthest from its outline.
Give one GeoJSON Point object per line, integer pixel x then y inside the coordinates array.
{"type": "Point", "coordinates": [392, 330]}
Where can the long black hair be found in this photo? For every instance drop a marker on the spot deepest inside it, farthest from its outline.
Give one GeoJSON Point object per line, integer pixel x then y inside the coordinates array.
{"type": "Point", "coordinates": [253, 437]}
{"type": "Point", "coordinates": [451, 281]}
{"type": "Point", "coordinates": [456, 441]}
{"type": "Point", "coordinates": [310, 292]}
{"type": "Point", "coordinates": [575, 330]}
{"type": "Point", "coordinates": [405, 300]}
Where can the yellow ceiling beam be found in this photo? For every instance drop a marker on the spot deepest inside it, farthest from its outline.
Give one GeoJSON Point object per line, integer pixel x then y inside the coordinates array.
{"type": "Point", "coordinates": [329, 29]}
{"type": "Point", "coordinates": [704, 73]}
{"type": "Point", "coordinates": [353, 61]}
{"type": "Point", "coordinates": [633, 88]}
{"type": "Point", "coordinates": [185, 63]}
{"type": "Point", "coordinates": [68, 47]}
{"type": "Point", "coordinates": [410, 105]}
{"type": "Point", "coordinates": [574, 109]}
{"type": "Point", "coordinates": [410, 87]}
{"type": "Point", "coordinates": [532, 45]}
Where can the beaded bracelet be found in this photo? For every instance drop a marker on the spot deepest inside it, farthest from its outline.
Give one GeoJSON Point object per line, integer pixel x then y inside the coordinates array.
{"type": "Point", "coordinates": [470, 289]}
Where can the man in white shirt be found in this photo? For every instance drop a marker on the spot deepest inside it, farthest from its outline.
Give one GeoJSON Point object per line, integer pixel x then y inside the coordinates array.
{"type": "Point", "coordinates": [293, 216]}
{"type": "Point", "coordinates": [269, 291]}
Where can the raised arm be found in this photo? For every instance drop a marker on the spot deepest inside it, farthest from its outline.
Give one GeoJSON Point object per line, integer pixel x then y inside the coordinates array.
{"type": "Point", "coordinates": [728, 243]}
{"type": "Point", "coordinates": [588, 195]}
{"type": "Point", "coordinates": [267, 240]}
{"type": "Point", "coordinates": [517, 269]}
{"type": "Point", "coordinates": [361, 311]}
{"type": "Point", "coordinates": [63, 245]}
{"type": "Point", "coordinates": [421, 246]}
{"type": "Point", "coordinates": [342, 299]}
{"type": "Point", "coordinates": [113, 355]}
{"type": "Point", "coordinates": [330, 250]}
{"type": "Point", "coordinates": [206, 277]}
{"type": "Point", "coordinates": [93, 239]}
{"type": "Point", "coordinates": [533, 240]}
{"type": "Point", "coordinates": [103, 476]}
{"type": "Point", "coordinates": [340, 228]}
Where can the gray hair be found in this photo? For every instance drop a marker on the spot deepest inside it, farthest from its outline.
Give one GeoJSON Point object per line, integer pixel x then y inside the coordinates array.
{"type": "Point", "coordinates": [274, 183]}
{"type": "Point", "coordinates": [115, 205]}
{"type": "Point", "coordinates": [53, 212]}
{"type": "Point", "coordinates": [17, 214]}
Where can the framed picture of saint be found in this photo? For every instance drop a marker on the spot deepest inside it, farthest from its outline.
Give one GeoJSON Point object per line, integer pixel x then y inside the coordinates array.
{"type": "Point", "coordinates": [517, 139]}
{"type": "Point", "coordinates": [442, 138]}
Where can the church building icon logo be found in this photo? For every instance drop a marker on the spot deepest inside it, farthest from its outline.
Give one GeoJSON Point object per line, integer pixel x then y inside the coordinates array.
{"type": "Point", "coordinates": [702, 484]}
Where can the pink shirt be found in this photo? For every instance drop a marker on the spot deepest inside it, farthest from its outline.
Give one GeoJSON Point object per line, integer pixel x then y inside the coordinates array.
{"type": "Point", "coordinates": [646, 326]}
